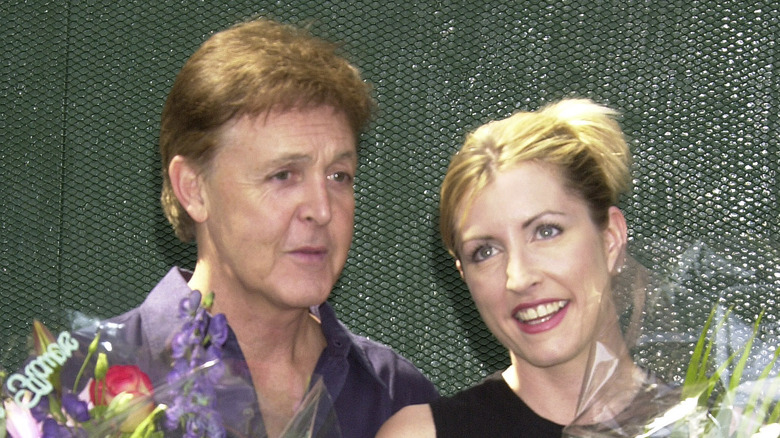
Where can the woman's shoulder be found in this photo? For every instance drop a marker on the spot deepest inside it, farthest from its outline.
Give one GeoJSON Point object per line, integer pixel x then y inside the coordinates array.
{"type": "Point", "coordinates": [488, 389]}
{"type": "Point", "coordinates": [489, 408]}
{"type": "Point", "coordinates": [414, 421]}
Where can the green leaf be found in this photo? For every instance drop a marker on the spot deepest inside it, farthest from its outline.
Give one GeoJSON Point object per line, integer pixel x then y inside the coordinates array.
{"type": "Point", "coordinates": [775, 416]}
{"type": "Point", "coordinates": [698, 366]}
{"type": "Point", "coordinates": [147, 427]}
{"type": "Point", "coordinates": [98, 411]}
{"type": "Point", "coordinates": [773, 389]}
{"type": "Point", "coordinates": [740, 368]}
{"type": "Point", "coordinates": [692, 375]}
{"type": "Point", "coordinates": [722, 409]}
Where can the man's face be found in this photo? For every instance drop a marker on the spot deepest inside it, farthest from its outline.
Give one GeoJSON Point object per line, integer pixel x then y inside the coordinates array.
{"type": "Point", "coordinates": [279, 206]}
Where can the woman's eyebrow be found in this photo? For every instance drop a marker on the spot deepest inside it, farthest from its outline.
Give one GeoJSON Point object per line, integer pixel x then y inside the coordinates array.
{"type": "Point", "coordinates": [528, 222]}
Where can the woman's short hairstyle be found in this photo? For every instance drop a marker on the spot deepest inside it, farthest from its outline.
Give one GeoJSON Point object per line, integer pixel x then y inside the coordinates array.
{"type": "Point", "coordinates": [578, 137]}
{"type": "Point", "coordinates": [248, 70]}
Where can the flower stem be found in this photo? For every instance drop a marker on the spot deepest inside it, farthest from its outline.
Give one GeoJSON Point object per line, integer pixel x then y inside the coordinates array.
{"type": "Point", "coordinates": [90, 352]}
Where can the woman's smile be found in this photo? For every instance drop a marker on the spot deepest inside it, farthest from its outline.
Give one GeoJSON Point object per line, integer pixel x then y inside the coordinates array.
{"type": "Point", "coordinates": [541, 318]}
{"type": "Point", "coordinates": [540, 313]}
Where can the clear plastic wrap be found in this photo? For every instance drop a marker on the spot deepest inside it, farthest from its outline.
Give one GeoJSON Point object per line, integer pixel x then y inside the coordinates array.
{"type": "Point", "coordinates": [687, 350]}
{"type": "Point", "coordinates": [94, 383]}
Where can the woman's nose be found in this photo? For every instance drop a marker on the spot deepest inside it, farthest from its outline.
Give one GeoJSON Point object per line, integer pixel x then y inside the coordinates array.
{"type": "Point", "coordinates": [521, 273]}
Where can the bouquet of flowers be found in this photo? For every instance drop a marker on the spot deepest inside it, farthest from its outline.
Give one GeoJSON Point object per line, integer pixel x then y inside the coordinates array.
{"type": "Point", "coordinates": [686, 363]}
{"type": "Point", "coordinates": [86, 384]}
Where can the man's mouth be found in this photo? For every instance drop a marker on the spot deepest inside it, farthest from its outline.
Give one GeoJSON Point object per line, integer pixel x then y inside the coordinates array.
{"type": "Point", "coordinates": [541, 313]}
{"type": "Point", "coordinates": [311, 250]}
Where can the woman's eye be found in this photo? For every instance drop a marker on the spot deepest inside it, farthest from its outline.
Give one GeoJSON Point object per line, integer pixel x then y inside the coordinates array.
{"type": "Point", "coordinates": [482, 253]}
{"type": "Point", "coordinates": [547, 231]}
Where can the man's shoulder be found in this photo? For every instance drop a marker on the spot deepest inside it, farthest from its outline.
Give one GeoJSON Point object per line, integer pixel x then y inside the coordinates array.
{"type": "Point", "coordinates": [397, 372]}
{"type": "Point", "coordinates": [161, 301]}
{"type": "Point", "coordinates": [380, 355]}
{"type": "Point", "coordinates": [381, 358]}
{"type": "Point", "coordinates": [151, 323]}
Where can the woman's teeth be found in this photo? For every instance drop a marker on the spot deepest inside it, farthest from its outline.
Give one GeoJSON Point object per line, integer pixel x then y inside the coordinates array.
{"type": "Point", "coordinates": [540, 313]}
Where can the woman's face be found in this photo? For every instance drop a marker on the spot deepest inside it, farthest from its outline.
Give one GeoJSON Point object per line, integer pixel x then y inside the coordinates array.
{"type": "Point", "coordinates": [537, 265]}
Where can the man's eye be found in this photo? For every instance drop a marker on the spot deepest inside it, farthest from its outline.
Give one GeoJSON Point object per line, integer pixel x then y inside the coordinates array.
{"type": "Point", "coordinates": [282, 176]}
{"type": "Point", "coordinates": [341, 177]}
{"type": "Point", "coordinates": [547, 231]}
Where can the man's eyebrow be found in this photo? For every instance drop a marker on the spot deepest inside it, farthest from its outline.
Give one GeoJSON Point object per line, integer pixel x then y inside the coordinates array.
{"type": "Point", "coordinates": [294, 158]}
{"type": "Point", "coordinates": [346, 155]}
{"type": "Point", "coordinates": [288, 159]}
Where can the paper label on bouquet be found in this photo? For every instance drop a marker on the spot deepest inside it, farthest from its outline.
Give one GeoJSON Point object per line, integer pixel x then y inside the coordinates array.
{"type": "Point", "coordinates": [28, 388]}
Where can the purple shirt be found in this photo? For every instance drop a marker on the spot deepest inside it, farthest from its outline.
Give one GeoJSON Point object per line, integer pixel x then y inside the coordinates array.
{"type": "Point", "coordinates": [367, 381]}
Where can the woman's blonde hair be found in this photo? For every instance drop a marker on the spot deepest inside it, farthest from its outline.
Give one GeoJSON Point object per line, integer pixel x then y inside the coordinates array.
{"type": "Point", "coordinates": [578, 137]}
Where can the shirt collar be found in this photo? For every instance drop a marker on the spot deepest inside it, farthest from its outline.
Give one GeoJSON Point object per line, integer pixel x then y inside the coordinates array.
{"type": "Point", "coordinates": [161, 304]}
{"type": "Point", "coordinates": [341, 352]}
{"type": "Point", "coordinates": [343, 349]}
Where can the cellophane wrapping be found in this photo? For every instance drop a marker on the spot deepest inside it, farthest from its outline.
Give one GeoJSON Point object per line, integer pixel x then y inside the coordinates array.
{"type": "Point", "coordinates": [696, 349]}
{"type": "Point", "coordinates": [93, 382]}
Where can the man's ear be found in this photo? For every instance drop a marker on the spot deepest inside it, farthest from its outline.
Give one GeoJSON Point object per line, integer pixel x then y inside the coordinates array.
{"type": "Point", "coordinates": [187, 185]}
{"type": "Point", "coordinates": [615, 240]}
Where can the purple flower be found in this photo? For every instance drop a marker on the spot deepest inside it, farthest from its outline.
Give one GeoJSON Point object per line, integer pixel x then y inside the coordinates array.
{"type": "Point", "coordinates": [215, 370]}
{"type": "Point", "coordinates": [218, 329]}
{"type": "Point", "coordinates": [178, 373]}
{"type": "Point", "coordinates": [207, 423]}
{"type": "Point", "coordinates": [76, 408]}
{"type": "Point", "coordinates": [52, 429]}
{"type": "Point", "coordinates": [198, 342]}
{"type": "Point", "coordinates": [41, 410]}
{"type": "Point", "coordinates": [174, 412]}
{"type": "Point", "coordinates": [189, 305]}
{"type": "Point", "coordinates": [182, 341]}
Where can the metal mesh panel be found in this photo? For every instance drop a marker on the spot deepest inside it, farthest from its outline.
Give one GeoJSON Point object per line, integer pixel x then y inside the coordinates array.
{"type": "Point", "coordinates": [82, 86]}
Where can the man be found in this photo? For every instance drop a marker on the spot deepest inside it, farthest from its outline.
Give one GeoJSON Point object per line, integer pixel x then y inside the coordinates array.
{"type": "Point", "coordinates": [259, 151]}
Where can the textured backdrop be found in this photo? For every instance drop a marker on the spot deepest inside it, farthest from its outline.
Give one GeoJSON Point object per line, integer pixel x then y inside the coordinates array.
{"type": "Point", "coordinates": [82, 85]}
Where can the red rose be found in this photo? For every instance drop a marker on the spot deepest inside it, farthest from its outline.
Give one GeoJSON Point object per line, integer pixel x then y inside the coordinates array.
{"type": "Point", "coordinates": [127, 379]}
{"type": "Point", "coordinates": [119, 379]}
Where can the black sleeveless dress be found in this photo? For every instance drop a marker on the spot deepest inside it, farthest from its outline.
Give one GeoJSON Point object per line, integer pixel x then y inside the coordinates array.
{"type": "Point", "coordinates": [489, 409]}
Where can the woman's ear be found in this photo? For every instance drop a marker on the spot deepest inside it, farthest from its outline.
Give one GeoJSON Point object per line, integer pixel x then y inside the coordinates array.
{"type": "Point", "coordinates": [615, 240]}
{"type": "Point", "coordinates": [460, 268]}
{"type": "Point", "coordinates": [188, 187]}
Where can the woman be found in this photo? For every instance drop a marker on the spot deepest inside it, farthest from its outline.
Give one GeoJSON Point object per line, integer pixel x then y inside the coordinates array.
{"type": "Point", "coordinates": [528, 211]}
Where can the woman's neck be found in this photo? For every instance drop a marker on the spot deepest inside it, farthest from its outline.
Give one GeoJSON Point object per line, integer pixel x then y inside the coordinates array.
{"type": "Point", "coordinates": [552, 393]}
{"type": "Point", "coordinates": [555, 392]}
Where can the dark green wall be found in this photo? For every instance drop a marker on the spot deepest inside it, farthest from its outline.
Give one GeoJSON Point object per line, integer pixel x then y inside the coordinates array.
{"type": "Point", "coordinates": [82, 85]}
